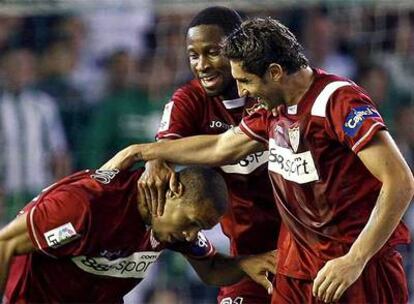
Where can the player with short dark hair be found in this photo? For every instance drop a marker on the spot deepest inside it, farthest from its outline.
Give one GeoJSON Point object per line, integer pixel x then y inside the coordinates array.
{"type": "Point", "coordinates": [340, 183]}
{"type": "Point", "coordinates": [90, 238]}
{"type": "Point", "coordinates": [264, 45]}
{"type": "Point", "coordinates": [209, 104]}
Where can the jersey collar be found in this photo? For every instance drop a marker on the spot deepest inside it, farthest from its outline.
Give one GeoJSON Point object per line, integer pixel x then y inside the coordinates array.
{"type": "Point", "coordinates": [234, 103]}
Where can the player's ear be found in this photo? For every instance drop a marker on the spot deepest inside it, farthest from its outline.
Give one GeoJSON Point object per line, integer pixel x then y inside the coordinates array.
{"type": "Point", "coordinates": [177, 192]}
{"type": "Point", "coordinates": [275, 71]}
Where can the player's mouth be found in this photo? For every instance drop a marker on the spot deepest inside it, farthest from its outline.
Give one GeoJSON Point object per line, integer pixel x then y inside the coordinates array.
{"type": "Point", "coordinates": [210, 81]}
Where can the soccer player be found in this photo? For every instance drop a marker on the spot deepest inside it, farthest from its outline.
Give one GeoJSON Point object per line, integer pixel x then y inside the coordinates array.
{"type": "Point", "coordinates": [339, 181]}
{"type": "Point", "coordinates": [209, 104]}
{"type": "Point", "coordinates": [90, 238]}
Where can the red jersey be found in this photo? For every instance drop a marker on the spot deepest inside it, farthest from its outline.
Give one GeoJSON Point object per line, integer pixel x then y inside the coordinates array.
{"type": "Point", "coordinates": [93, 245]}
{"type": "Point", "coordinates": [324, 192]}
{"type": "Point", "coordinates": [252, 211]}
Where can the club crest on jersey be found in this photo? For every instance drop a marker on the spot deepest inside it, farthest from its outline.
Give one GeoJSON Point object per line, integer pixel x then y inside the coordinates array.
{"type": "Point", "coordinates": [294, 138]}
{"type": "Point", "coordinates": [356, 117]}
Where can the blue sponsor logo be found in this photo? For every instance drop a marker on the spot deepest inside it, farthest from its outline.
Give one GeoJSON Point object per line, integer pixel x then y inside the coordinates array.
{"type": "Point", "coordinates": [356, 117]}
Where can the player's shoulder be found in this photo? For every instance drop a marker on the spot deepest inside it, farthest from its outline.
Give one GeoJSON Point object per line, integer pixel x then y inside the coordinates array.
{"type": "Point", "coordinates": [93, 183]}
{"type": "Point", "coordinates": [333, 91]}
{"type": "Point", "coordinates": [334, 85]}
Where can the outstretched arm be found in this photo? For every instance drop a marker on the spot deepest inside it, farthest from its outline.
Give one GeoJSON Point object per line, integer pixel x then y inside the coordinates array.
{"type": "Point", "coordinates": [221, 270]}
{"type": "Point", "coordinates": [385, 162]}
{"type": "Point", "coordinates": [211, 150]}
{"type": "Point", "coordinates": [14, 240]}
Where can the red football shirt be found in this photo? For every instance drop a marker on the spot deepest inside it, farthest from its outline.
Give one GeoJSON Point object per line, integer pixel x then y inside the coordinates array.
{"type": "Point", "coordinates": [252, 211]}
{"type": "Point", "coordinates": [324, 193]}
{"type": "Point", "coordinates": [93, 244]}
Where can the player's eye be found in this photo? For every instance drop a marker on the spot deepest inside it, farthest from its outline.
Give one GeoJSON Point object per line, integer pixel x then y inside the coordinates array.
{"type": "Point", "coordinates": [192, 56]}
{"type": "Point", "coordinates": [214, 52]}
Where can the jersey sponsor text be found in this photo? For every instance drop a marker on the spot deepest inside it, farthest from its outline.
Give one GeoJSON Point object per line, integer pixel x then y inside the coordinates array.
{"type": "Point", "coordinates": [296, 167]}
{"type": "Point", "coordinates": [247, 165]}
{"type": "Point", "coordinates": [134, 266]}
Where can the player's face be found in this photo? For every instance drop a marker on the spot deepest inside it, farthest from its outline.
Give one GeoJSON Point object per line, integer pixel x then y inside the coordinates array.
{"type": "Point", "coordinates": [262, 88]}
{"type": "Point", "coordinates": [182, 221]}
{"type": "Point", "coordinates": [206, 61]}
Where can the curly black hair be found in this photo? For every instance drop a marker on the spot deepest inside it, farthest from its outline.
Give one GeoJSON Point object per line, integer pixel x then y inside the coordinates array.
{"type": "Point", "coordinates": [262, 41]}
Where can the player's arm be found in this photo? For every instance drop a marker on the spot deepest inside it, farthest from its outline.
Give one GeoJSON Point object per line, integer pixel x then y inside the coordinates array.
{"type": "Point", "coordinates": [14, 240]}
{"type": "Point", "coordinates": [385, 162]}
{"type": "Point", "coordinates": [221, 270]}
{"type": "Point", "coordinates": [211, 150]}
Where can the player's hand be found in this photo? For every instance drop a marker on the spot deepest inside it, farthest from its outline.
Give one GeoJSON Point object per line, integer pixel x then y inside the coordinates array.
{"type": "Point", "coordinates": [124, 158]}
{"type": "Point", "coordinates": [154, 183]}
{"type": "Point", "coordinates": [336, 277]}
{"type": "Point", "coordinates": [276, 111]}
{"type": "Point", "coordinates": [258, 267]}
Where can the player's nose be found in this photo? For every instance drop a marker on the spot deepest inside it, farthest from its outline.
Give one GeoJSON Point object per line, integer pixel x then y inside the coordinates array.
{"type": "Point", "coordinates": [202, 64]}
{"type": "Point", "coordinates": [242, 91]}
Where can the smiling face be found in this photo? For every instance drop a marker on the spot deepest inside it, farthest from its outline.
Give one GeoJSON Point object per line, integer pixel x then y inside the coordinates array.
{"type": "Point", "coordinates": [265, 88]}
{"type": "Point", "coordinates": [181, 221]}
{"type": "Point", "coordinates": [206, 61]}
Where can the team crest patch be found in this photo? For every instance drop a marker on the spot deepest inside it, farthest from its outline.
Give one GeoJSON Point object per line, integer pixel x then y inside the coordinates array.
{"type": "Point", "coordinates": [61, 235]}
{"type": "Point", "coordinates": [294, 138]}
{"type": "Point", "coordinates": [356, 117]}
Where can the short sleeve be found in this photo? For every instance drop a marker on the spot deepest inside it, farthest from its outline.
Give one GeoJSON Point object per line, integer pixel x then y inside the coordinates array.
{"type": "Point", "coordinates": [179, 118]}
{"type": "Point", "coordinates": [199, 249]}
{"type": "Point", "coordinates": [255, 126]}
{"type": "Point", "coordinates": [57, 223]}
{"type": "Point", "coordinates": [353, 118]}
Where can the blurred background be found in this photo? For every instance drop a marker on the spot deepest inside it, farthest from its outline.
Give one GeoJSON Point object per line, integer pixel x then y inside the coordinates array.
{"type": "Point", "coordinates": [102, 71]}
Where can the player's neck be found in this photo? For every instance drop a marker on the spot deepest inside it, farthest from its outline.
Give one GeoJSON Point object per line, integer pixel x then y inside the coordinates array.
{"type": "Point", "coordinates": [296, 85]}
{"type": "Point", "coordinates": [230, 93]}
{"type": "Point", "coordinates": [143, 209]}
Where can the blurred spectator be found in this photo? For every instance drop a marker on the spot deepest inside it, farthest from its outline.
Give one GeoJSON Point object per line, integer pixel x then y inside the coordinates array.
{"type": "Point", "coordinates": [379, 85]}
{"type": "Point", "coordinates": [399, 60]}
{"type": "Point", "coordinates": [124, 117]}
{"type": "Point", "coordinates": [57, 63]}
{"type": "Point", "coordinates": [85, 74]}
{"type": "Point", "coordinates": [321, 45]}
{"type": "Point", "coordinates": [404, 123]}
{"type": "Point", "coordinates": [9, 31]}
{"type": "Point", "coordinates": [33, 143]}
{"type": "Point", "coordinates": [121, 27]}
{"type": "Point", "coordinates": [169, 57]}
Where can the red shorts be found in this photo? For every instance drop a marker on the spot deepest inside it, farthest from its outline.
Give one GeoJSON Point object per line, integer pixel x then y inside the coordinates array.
{"type": "Point", "coordinates": [382, 281]}
{"type": "Point", "coordinates": [244, 292]}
